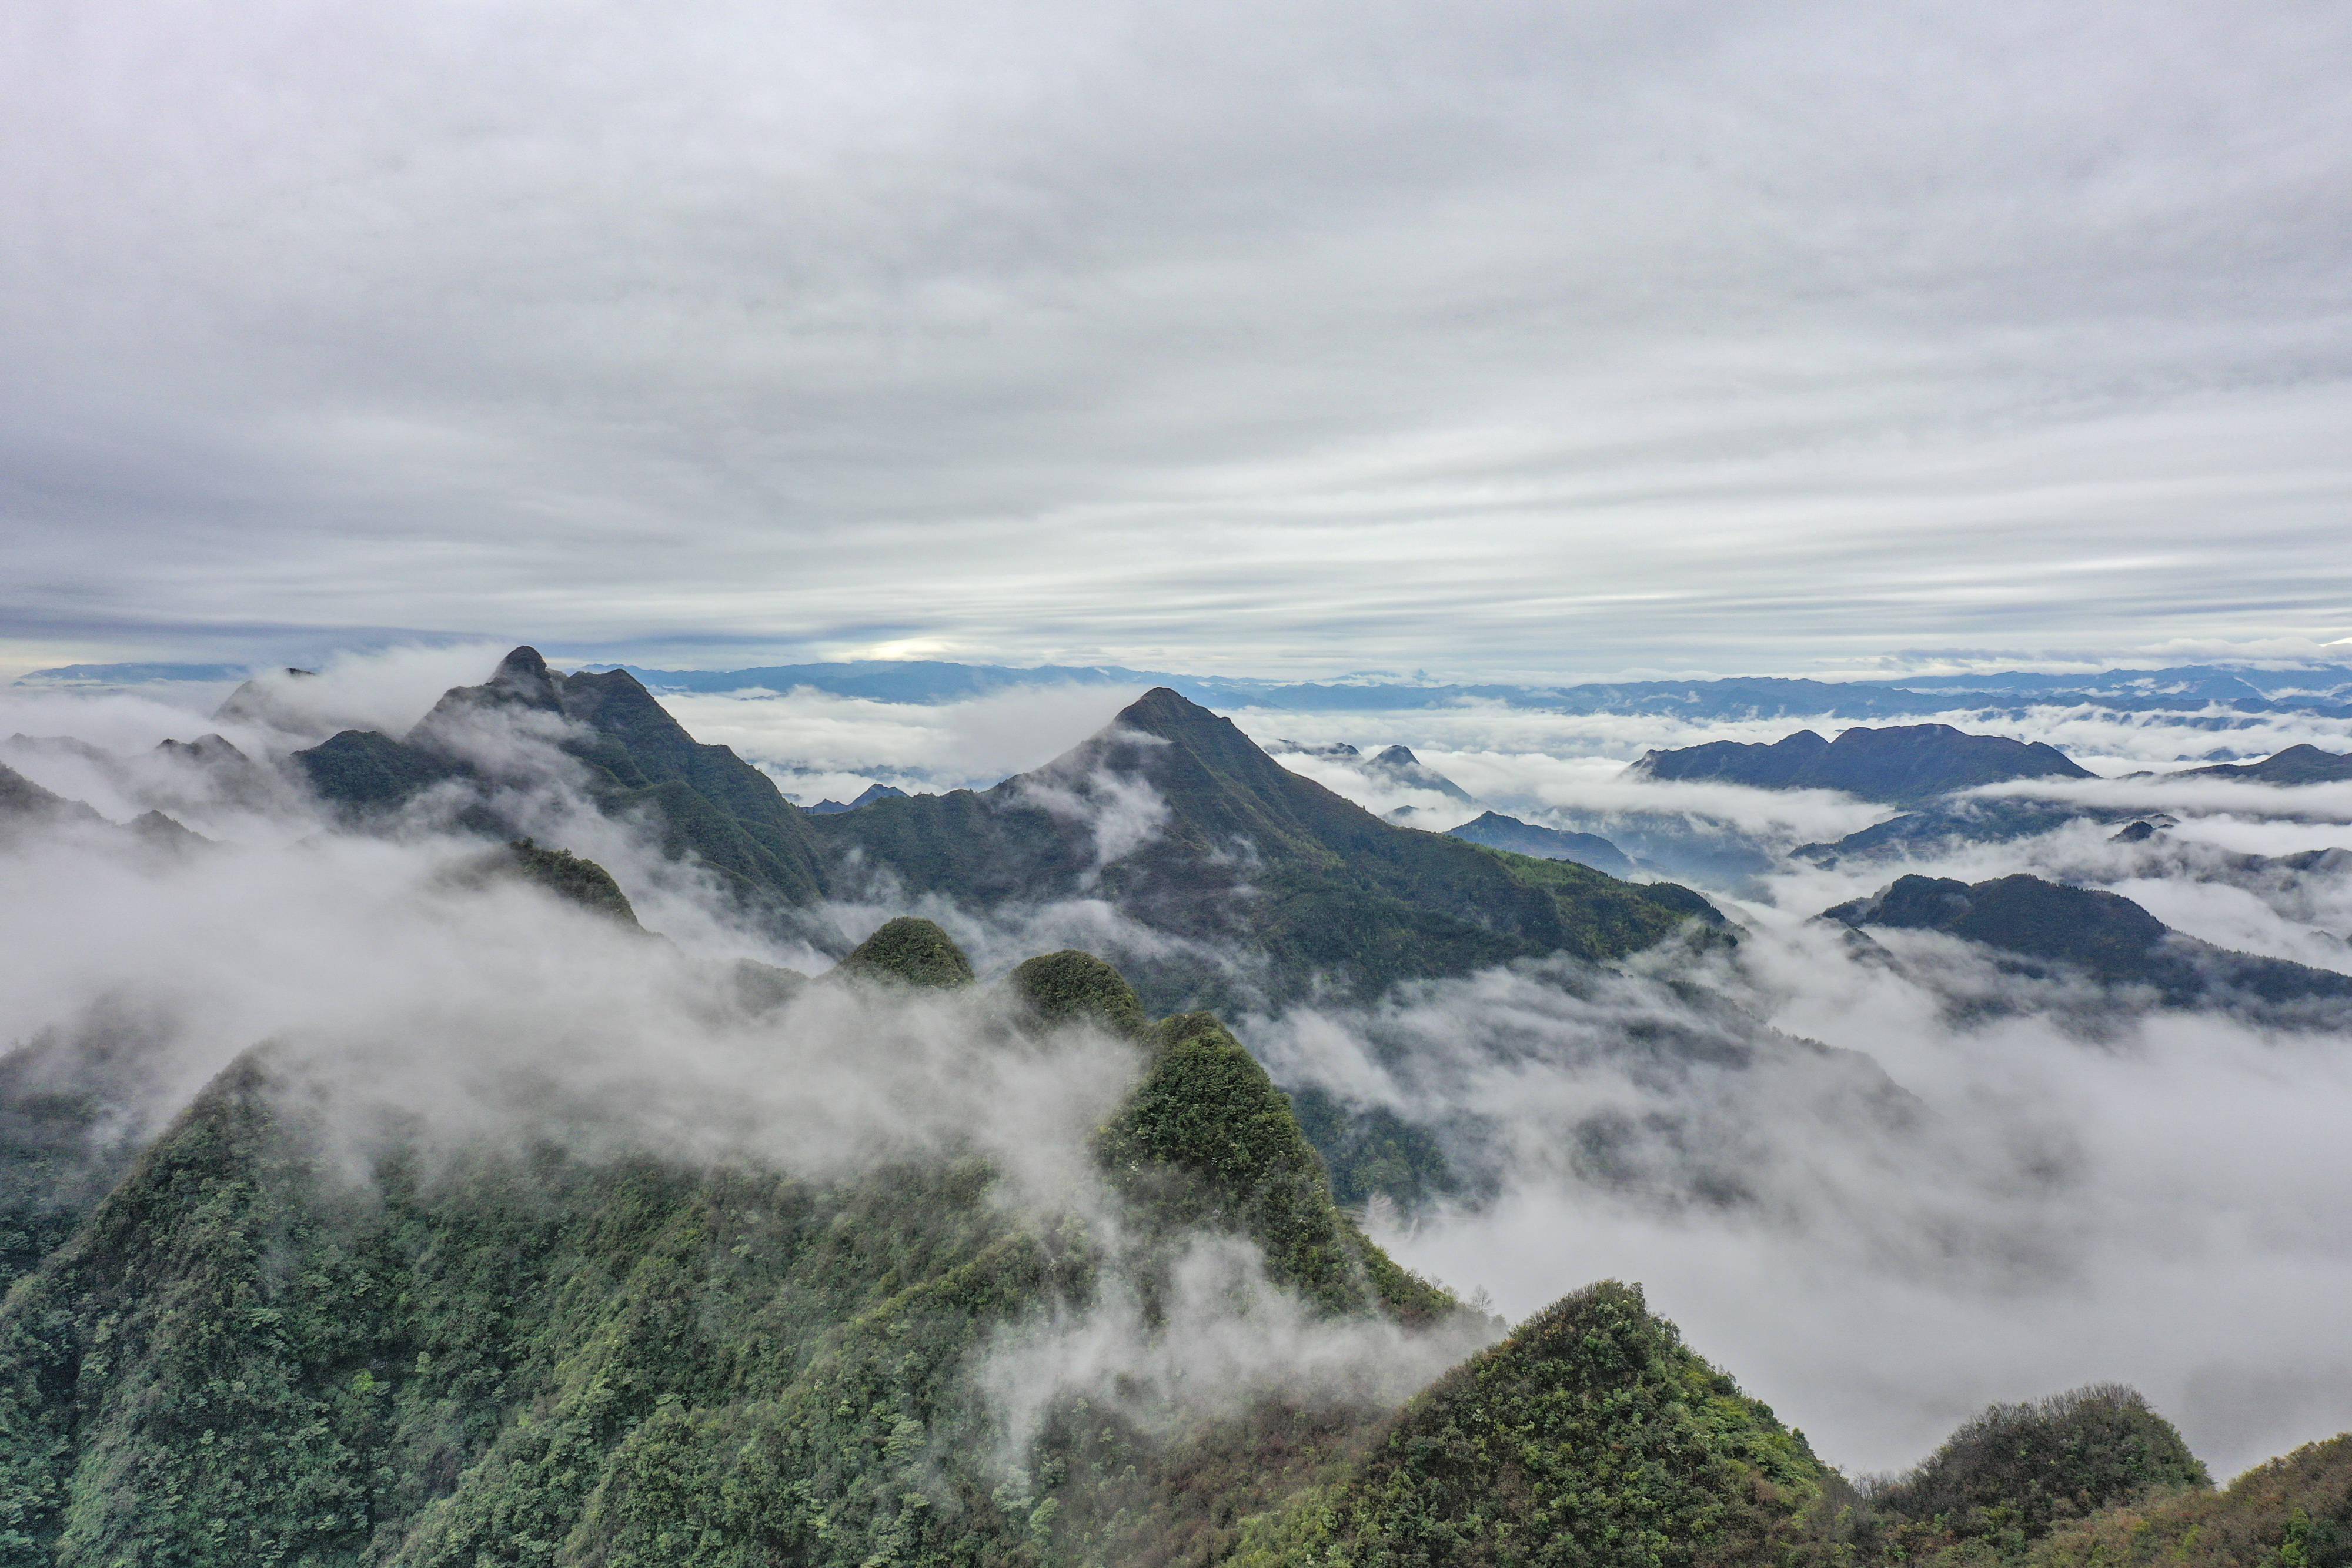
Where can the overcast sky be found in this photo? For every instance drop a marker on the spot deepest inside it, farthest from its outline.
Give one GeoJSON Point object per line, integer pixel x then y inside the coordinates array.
{"type": "Point", "coordinates": [1485, 339]}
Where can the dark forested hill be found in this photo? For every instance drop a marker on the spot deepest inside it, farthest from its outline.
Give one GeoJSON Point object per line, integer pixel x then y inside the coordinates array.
{"type": "Point", "coordinates": [2101, 935]}
{"type": "Point", "coordinates": [1901, 765]}
{"type": "Point", "coordinates": [1181, 822]}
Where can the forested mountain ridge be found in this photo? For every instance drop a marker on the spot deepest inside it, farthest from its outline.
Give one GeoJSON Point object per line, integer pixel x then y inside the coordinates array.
{"type": "Point", "coordinates": [517, 1355]}
{"type": "Point", "coordinates": [1170, 814]}
{"type": "Point", "coordinates": [520, 1356]}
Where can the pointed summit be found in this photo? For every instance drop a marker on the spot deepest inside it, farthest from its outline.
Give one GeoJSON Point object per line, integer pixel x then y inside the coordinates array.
{"type": "Point", "coordinates": [1209, 763]}
{"type": "Point", "coordinates": [1169, 715]}
{"type": "Point", "coordinates": [524, 676]}
{"type": "Point", "coordinates": [641, 762]}
{"type": "Point", "coordinates": [1165, 712]}
{"type": "Point", "coordinates": [1397, 765]}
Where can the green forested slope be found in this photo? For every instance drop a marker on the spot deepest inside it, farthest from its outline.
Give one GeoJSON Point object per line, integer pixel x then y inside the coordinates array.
{"type": "Point", "coordinates": [2006, 1478]}
{"type": "Point", "coordinates": [2294, 1512]}
{"type": "Point", "coordinates": [514, 1357]}
{"type": "Point", "coordinates": [494, 1354]}
{"type": "Point", "coordinates": [1591, 1436]}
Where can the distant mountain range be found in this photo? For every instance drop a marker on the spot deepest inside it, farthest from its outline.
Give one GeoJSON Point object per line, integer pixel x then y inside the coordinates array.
{"type": "Point", "coordinates": [1395, 766]}
{"type": "Point", "coordinates": [867, 797]}
{"type": "Point", "coordinates": [2213, 695]}
{"type": "Point", "coordinates": [1497, 831]}
{"type": "Point", "coordinates": [2296, 764]}
{"type": "Point", "coordinates": [1149, 814]}
{"type": "Point", "coordinates": [1902, 765]}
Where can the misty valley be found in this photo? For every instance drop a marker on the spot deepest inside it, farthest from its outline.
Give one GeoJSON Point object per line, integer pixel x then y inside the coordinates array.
{"type": "Point", "coordinates": [457, 1110]}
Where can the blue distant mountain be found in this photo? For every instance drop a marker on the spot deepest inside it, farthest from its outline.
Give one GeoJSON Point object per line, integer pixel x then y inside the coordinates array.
{"type": "Point", "coordinates": [2207, 694]}
{"type": "Point", "coordinates": [1497, 831]}
{"type": "Point", "coordinates": [873, 792]}
{"type": "Point", "coordinates": [2296, 764]}
{"type": "Point", "coordinates": [2186, 690]}
{"type": "Point", "coordinates": [1902, 764]}
{"type": "Point", "coordinates": [131, 674]}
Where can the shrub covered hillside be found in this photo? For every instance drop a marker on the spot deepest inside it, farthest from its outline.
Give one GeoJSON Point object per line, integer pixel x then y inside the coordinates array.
{"type": "Point", "coordinates": [2007, 1478]}
{"type": "Point", "coordinates": [259, 1349]}
{"type": "Point", "coordinates": [2294, 1512]}
{"type": "Point", "coordinates": [1591, 1436]}
{"type": "Point", "coordinates": [510, 1355]}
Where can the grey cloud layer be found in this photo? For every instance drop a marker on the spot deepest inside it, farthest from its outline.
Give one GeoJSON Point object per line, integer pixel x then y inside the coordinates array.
{"type": "Point", "coordinates": [1518, 337]}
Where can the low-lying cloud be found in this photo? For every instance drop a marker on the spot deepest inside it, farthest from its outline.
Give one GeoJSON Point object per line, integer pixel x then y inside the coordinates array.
{"type": "Point", "coordinates": [1939, 1209]}
{"type": "Point", "coordinates": [2011, 1209]}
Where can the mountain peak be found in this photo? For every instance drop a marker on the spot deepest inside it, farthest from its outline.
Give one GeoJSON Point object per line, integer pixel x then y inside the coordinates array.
{"type": "Point", "coordinates": [523, 673]}
{"type": "Point", "coordinates": [1166, 713]}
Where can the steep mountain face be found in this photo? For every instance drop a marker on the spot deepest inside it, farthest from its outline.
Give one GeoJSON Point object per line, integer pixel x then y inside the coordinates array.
{"type": "Point", "coordinates": [568, 876]}
{"type": "Point", "coordinates": [632, 760]}
{"type": "Point", "coordinates": [2296, 764]}
{"type": "Point", "coordinates": [1900, 765]}
{"type": "Point", "coordinates": [1172, 815]}
{"type": "Point", "coordinates": [1497, 831]}
{"type": "Point", "coordinates": [62, 1147]}
{"type": "Point", "coordinates": [1179, 820]}
{"type": "Point", "coordinates": [27, 810]}
{"type": "Point", "coordinates": [26, 806]}
{"type": "Point", "coordinates": [2101, 935]}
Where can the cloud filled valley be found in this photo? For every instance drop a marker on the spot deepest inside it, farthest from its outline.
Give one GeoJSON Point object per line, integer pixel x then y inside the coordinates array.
{"type": "Point", "coordinates": [1883, 1176]}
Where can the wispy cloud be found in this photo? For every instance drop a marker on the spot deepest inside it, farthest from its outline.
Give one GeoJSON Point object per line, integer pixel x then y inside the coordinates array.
{"type": "Point", "coordinates": [1518, 339]}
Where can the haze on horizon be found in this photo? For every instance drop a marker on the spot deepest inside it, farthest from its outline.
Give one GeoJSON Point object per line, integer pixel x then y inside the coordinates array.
{"type": "Point", "coordinates": [1501, 340]}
